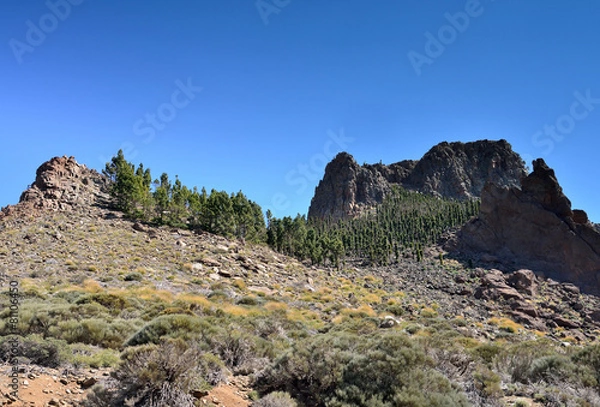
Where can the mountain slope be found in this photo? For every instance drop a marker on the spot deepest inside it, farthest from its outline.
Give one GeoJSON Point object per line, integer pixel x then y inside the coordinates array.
{"type": "Point", "coordinates": [98, 290]}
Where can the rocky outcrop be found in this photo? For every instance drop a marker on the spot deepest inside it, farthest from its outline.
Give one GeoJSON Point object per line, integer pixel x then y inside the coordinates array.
{"type": "Point", "coordinates": [534, 227]}
{"type": "Point", "coordinates": [347, 188]}
{"type": "Point", "coordinates": [461, 170]}
{"type": "Point", "coordinates": [453, 170]}
{"type": "Point", "coordinates": [61, 184]}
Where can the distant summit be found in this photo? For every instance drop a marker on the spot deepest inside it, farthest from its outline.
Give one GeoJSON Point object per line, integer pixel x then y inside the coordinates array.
{"type": "Point", "coordinates": [452, 170]}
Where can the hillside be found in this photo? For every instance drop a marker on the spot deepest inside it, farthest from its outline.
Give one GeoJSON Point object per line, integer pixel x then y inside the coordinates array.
{"type": "Point", "coordinates": [164, 315]}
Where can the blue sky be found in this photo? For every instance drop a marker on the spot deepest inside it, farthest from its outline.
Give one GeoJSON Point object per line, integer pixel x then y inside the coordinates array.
{"type": "Point", "coordinates": [258, 96]}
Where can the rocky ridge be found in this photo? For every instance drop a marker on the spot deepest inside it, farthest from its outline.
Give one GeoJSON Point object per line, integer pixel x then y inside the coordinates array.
{"type": "Point", "coordinates": [61, 184]}
{"type": "Point", "coordinates": [453, 170]}
{"type": "Point", "coordinates": [534, 227]}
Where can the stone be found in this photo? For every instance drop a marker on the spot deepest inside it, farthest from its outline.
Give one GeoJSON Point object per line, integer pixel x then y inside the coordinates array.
{"type": "Point", "coordinates": [580, 216]}
{"type": "Point", "coordinates": [139, 227]}
{"type": "Point", "coordinates": [524, 281]}
{"type": "Point", "coordinates": [388, 322]}
{"type": "Point", "coordinates": [454, 170]}
{"type": "Point", "coordinates": [210, 262]}
{"type": "Point", "coordinates": [565, 322]}
{"type": "Point", "coordinates": [532, 227]}
{"type": "Point", "coordinates": [87, 382]}
{"type": "Point", "coordinates": [61, 184]}
{"type": "Point", "coordinates": [198, 394]}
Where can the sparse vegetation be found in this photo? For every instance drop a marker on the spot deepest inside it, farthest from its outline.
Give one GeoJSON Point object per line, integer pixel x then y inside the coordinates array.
{"type": "Point", "coordinates": [386, 322]}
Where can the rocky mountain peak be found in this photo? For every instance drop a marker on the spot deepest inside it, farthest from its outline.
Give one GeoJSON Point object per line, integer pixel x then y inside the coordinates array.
{"type": "Point", "coordinates": [454, 170]}
{"type": "Point", "coordinates": [534, 227]}
{"type": "Point", "coordinates": [541, 186]}
{"type": "Point", "coordinates": [61, 184]}
{"type": "Point", "coordinates": [346, 188]}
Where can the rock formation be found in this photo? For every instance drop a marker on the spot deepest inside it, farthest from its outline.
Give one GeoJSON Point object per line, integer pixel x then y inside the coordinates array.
{"type": "Point", "coordinates": [453, 170]}
{"type": "Point", "coordinates": [61, 184]}
{"type": "Point", "coordinates": [534, 227]}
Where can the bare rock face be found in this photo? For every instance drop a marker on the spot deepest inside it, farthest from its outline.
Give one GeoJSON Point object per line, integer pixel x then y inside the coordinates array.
{"type": "Point", "coordinates": [61, 184]}
{"type": "Point", "coordinates": [534, 227]}
{"type": "Point", "coordinates": [461, 170]}
{"type": "Point", "coordinates": [453, 170]}
{"type": "Point", "coordinates": [347, 188]}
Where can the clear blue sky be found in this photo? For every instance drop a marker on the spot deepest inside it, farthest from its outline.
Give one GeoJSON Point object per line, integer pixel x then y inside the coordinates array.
{"type": "Point", "coordinates": [231, 97]}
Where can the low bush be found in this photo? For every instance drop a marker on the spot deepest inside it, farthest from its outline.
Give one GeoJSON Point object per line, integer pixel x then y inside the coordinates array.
{"type": "Point", "coordinates": [173, 325]}
{"type": "Point", "coordinates": [35, 350]}
{"type": "Point", "coordinates": [276, 399]}
{"type": "Point", "coordinates": [340, 369]}
{"type": "Point", "coordinates": [160, 375]}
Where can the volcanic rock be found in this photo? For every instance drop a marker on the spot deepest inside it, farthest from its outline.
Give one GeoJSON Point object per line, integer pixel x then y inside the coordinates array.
{"type": "Point", "coordinates": [533, 227]}
{"type": "Point", "coordinates": [452, 170]}
{"type": "Point", "coordinates": [61, 184]}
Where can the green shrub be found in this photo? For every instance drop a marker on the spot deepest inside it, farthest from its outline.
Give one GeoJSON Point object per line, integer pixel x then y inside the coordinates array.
{"type": "Point", "coordinates": [173, 325]}
{"type": "Point", "coordinates": [95, 331]}
{"type": "Point", "coordinates": [135, 276]}
{"type": "Point", "coordinates": [487, 382]}
{"type": "Point", "coordinates": [114, 303]}
{"type": "Point", "coordinates": [157, 375]}
{"type": "Point", "coordinates": [89, 356]}
{"type": "Point", "coordinates": [276, 399]}
{"type": "Point", "coordinates": [551, 369]}
{"type": "Point", "coordinates": [342, 369]}
{"type": "Point", "coordinates": [43, 352]}
{"type": "Point", "coordinates": [487, 352]}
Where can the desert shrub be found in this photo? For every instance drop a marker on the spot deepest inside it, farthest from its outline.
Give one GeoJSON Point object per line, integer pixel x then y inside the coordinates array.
{"type": "Point", "coordinates": [173, 325]}
{"type": "Point", "coordinates": [43, 352]}
{"type": "Point", "coordinates": [342, 369]}
{"type": "Point", "coordinates": [234, 347]}
{"type": "Point", "coordinates": [551, 369]}
{"type": "Point", "coordinates": [114, 303]}
{"type": "Point", "coordinates": [276, 399]}
{"type": "Point", "coordinates": [487, 352]}
{"type": "Point", "coordinates": [516, 360]}
{"type": "Point", "coordinates": [85, 355]}
{"type": "Point", "coordinates": [135, 276]}
{"type": "Point", "coordinates": [95, 331]}
{"type": "Point", "coordinates": [69, 296]}
{"type": "Point", "coordinates": [152, 375]}
{"type": "Point", "coordinates": [100, 396]}
{"type": "Point", "coordinates": [250, 300]}
{"type": "Point", "coordinates": [590, 358]}
{"type": "Point", "coordinates": [157, 376]}
{"type": "Point", "coordinates": [487, 382]}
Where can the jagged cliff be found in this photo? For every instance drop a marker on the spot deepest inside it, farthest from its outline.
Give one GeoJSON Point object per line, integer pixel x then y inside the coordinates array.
{"type": "Point", "coordinates": [534, 227]}
{"type": "Point", "coordinates": [61, 184]}
{"type": "Point", "coordinates": [454, 170]}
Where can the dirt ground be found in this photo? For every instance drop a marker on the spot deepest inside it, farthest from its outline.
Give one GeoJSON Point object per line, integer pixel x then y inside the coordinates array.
{"type": "Point", "coordinates": [49, 387]}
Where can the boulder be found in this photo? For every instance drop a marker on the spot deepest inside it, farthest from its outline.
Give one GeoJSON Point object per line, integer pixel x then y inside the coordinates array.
{"type": "Point", "coordinates": [524, 281]}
